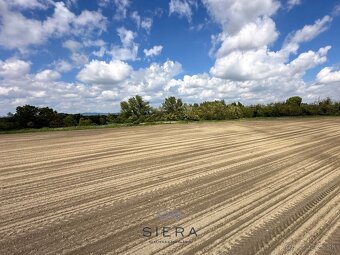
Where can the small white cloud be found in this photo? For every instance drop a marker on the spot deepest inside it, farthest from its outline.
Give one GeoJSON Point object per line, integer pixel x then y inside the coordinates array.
{"type": "Point", "coordinates": [182, 8]}
{"type": "Point", "coordinates": [336, 10]}
{"type": "Point", "coordinates": [126, 36]}
{"type": "Point", "coordinates": [147, 24]}
{"type": "Point", "coordinates": [47, 75]}
{"type": "Point", "coordinates": [292, 3]}
{"type": "Point", "coordinates": [136, 18]}
{"type": "Point", "coordinates": [63, 66]}
{"type": "Point", "coordinates": [100, 72]}
{"type": "Point", "coordinates": [122, 53]}
{"type": "Point", "coordinates": [309, 32]}
{"type": "Point", "coordinates": [154, 51]}
{"type": "Point", "coordinates": [327, 75]}
{"type": "Point", "coordinates": [121, 7]}
{"type": "Point", "coordinates": [128, 50]}
{"type": "Point", "coordinates": [72, 45]}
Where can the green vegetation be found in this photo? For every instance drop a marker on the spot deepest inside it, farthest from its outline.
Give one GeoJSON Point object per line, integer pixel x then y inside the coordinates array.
{"type": "Point", "coordinates": [136, 111]}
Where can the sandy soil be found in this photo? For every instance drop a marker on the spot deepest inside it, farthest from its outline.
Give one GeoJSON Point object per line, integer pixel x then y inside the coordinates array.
{"type": "Point", "coordinates": [245, 187]}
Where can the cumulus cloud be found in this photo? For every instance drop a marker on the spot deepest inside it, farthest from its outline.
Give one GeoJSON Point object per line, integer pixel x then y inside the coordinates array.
{"type": "Point", "coordinates": [47, 75]}
{"type": "Point", "coordinates": [154, 78]}
{"type": "Point", "coordinates": [15, 35]}
{"type": "Point", "coordinates": [109, 81]}
{"type": "Point", "coordinates": [126, 36]}
{"type": "Point", "coordinates": [72, 45]}
{"type": "Point", "coordinates": [101, 72]}
{"type": "Point", "coordinates": [154, 51]}
{"type": "Point", "coordinates": [18, 86]}
{"type": "Point", "coordinates": [263, 64]}
{"type": "Point", "coordinates": [79, 50]}
{"type": "Point", "coordinates": [246, 69]}
{"type": "Point", "coordinates": [129, 49]}
{"type": "Point", "coordinates": [241, 56]}
{"type": "Point", "coordinates": [14, 68]}
{"type": "Point", "coordinates": [328, 75]}
{"type": "Point", "coordinates": [265, 32]}
{"type": "Point", "coordinates": [233, 15]}
{"type": "Point", "coordinates": [63, 66]}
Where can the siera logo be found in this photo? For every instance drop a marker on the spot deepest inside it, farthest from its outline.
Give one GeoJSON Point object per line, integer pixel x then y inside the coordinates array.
{"type": "Point", "coordinates": [169, 232]}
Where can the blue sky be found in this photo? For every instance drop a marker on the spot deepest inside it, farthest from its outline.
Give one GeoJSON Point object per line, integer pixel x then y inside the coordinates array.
{"type": "Point", "coordinates": [79, 56]}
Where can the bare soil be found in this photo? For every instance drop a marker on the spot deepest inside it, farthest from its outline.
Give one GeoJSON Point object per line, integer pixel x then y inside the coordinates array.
{"type": "Point", "coordinates": [245, 187]}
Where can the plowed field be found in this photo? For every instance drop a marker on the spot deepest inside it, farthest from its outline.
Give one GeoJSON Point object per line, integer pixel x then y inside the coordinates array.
{"type": "Point", "coordinates": [236, 187]}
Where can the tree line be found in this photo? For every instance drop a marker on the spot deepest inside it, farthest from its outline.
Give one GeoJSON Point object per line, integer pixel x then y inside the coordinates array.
{"type": "Point", "coordinates": [136, 110]}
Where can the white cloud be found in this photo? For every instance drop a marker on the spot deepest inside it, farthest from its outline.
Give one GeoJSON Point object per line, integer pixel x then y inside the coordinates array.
{"type": "Point", "coordinates": [27, 4]}
{"type": "Point", "coordinates": [245, 69]}
{"type": "Point", "coordinates": [233, 15]}
{"type": "Point", "coordinates": [121, 53]}
{"type": "Point", "coordinates": [264, 64]}
{"type": "Point", "coordinates": [129, 49]}
{"type": "Point", "coordinates": [263, 28]}
{"type": "Point", "coordinates": [154, 51]}
{"type": "Point", "coordinates": [308, 60]}
{"type": "Point", "coordinates": [182, 8]}
{"type": "Point", "coordinates": [327, 75]}
{"type": "Point", "coordinates": [292, 3]}
{"type": "Point", "coordinates": [47, 75]}
{"type": "Point", "coordinates": [243, 57]}
{"type": "Point", "coordinates": [63, 66]}
{"type": "Point", "coordinates": [72, 45]}
{"type": "Point", "coordinates": [121, 7]}
{"type": "Point", "coordinates": [126, 36]}
{"type": "Point", "coordinates": [15, 35]}
{"type": "Point", "coordinates": [79, 55]}
{"type": "Point", "coordinates": [100, 72]}
{"type": "Point", "coordinates": [136, 18]}
{"type": "Point", "coordinates": [89, 21]}
{"type": "Point", "coordinates": [154, 78]}
{"type": "Point", "coordinates": [309, 32]}
{"type": "Point", "coordinates": [147, 24]}
{"type": "Point", "coordinates": [336, 10]}
{"type": "Point", "coordinates": [14, 68]}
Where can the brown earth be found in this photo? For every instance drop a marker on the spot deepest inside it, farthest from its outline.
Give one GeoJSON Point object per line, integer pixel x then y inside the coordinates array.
{"type": "Point", "coordinates": [245, 187]}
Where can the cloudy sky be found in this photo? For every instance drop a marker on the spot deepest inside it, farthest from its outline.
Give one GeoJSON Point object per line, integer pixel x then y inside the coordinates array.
{"type": "Point", "coordinates": [81, 56]}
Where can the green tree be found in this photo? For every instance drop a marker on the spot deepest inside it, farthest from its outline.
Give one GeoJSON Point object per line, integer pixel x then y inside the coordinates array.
{"type": "Point", "coordinates": [47, 117]}
{"type": "Point", "coordinates": [173, 108]}
{"type": "Point", "coordinates": [135, 108]}
{"type": "Point", "coordinates": [84, 122]}
{"type": "Point", "coordinates": [69, 121]}
{"type": "Point", "coordinates": [26, 115]}
{"type": "Point", "coordinates": [296, 100]}
{"type": "Point", "coordinates": [173, 105]}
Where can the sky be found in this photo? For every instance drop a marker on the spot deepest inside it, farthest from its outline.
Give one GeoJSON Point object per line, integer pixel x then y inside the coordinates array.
{"type": "Point", "coordinates": [88, 56]}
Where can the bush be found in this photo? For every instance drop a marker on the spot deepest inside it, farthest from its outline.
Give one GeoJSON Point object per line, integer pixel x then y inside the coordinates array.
{"type": "Point", "coordinates": [85, 122]}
